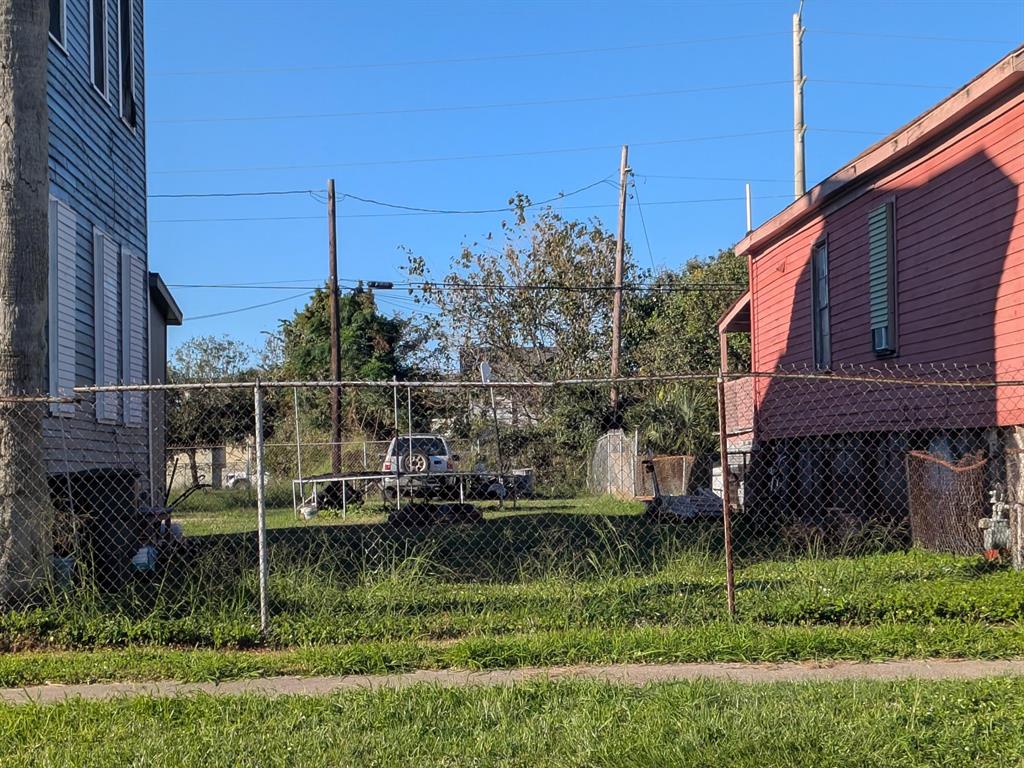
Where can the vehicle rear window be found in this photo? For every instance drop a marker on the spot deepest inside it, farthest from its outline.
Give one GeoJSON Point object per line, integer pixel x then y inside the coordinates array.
{"type": "Point", "coordinates": [431, 446]}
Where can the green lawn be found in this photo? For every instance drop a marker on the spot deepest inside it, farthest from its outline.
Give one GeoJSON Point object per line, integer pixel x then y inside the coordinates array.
{"type": "Point", "coordinates": [554, 582]}
{"type": "Point", "coordinates": [219, 512]}
{"type": "Point", "coordinates": [541, 724]}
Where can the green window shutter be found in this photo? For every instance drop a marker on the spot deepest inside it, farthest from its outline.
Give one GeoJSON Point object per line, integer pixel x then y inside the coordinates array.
{"type": "Point", "coordinates": [881, 280]}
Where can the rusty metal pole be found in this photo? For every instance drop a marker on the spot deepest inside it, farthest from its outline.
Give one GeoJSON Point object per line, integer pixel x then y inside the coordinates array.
{"type": "Point", "coordinates": [723, 447]}
{"type": "Point", "coordinates": [332, 247]}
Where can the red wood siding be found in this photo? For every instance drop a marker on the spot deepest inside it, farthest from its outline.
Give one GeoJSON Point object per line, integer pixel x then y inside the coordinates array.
{"type": "Point", "coordinates": [959, 232]}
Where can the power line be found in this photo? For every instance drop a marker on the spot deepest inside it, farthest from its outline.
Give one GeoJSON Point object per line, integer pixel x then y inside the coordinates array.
{"type": "Point", "coordinates": [267, 193]}
{"type": "Point", "coordinates": [239, 219]}
{"type": "Point", "coordinates": [643, 224]}
{"type": "Point", "coordinates": [407, 208]}
{"type": "Point", "coordinates": [567, 287]}
{"type": "Point", "coordinates": [243, 287]}
{"type": "Point", "coordinates": [441, 211]}
{"type": "Point", "coordinates": [524, 104]}
{"type": "Point", "coordinates": [213, 72]}
{"type": "Point", "coordinates": [711, 178]}
{"type": "Point", "coordinates": [487, 156]}
{"type": "Point", "coordinates": [246, 309]}
{"type": "Point", "coordinates": [450, 158]}
{"type": "Point", "coordinates": [459, 60]}
{"type": "Point", "coordinates": [461, 107]}
{"type": "Point", "coordinates": [923, 38]}
{"type": "Point", "coordinates": [315, 192]}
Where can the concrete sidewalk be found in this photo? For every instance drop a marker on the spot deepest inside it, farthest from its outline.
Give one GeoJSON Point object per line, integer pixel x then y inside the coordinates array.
{"type": "Point", "coordinates": [629, 674]}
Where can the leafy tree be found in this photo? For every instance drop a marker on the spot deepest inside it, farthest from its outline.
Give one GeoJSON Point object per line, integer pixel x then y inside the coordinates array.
{"type": "Point", "coordinates": [680, 331]}
{"type": "Point", "coordinates": [537, 304]}
{"type": "Point", "coordinates": [373, 348]}
{"type": "Point", "coordinates": [198, 418]}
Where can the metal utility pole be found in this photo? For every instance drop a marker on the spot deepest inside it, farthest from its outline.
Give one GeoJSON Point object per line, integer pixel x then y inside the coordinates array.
{"type": "Point", "coordinates": [332, 247]}
{"type": "Point", "coordinates": [799, 129]}
{"type": "Point", "coordinates": [620, 255]}
{"type": "Point", "coordinates": [749, 216]}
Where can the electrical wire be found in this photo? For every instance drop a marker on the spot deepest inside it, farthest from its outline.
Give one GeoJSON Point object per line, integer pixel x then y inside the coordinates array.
{"type": "Point", "coordinates": [643, 224]}
{"type": "Point", "coordinates": [712, 178]}
{"type": "Point", "coordinates": [460, 60]}
{"type": "Point", "coordinates": [551, 54]}
{"type": "Point", "coordinates": [584, 288]}
{"type": "Point", "coordinates": [595, 206]}
{"type": "Point", "coordinates": [229, 286]}
{"type": "Point", "coordinates": [461, 107]}
{"type": "Point", "coordinates": [266, 193]}
{"type": "Point", "coordinates": [246, 309]}
{"type": "Point", "coordinates": [488, 156]}
{"type": "Point", "coordinates": [525, 104]}
{"type": "Point", "coordinates": [895, 36]}
{"type": "Point", "coordinates": [441, 211]}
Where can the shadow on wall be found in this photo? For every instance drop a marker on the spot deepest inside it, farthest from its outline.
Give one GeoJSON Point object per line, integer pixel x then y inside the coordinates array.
{"type": "Point", "coordinates": [829, 459]}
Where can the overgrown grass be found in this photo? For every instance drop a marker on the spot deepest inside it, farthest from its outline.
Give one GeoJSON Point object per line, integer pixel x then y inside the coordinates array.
{"type": "Point", "coordinates": [530, 588]}
{"type": "Point", "coordinates": [714, 642]}
{"type": "Point", "coordinates": [541, 724]}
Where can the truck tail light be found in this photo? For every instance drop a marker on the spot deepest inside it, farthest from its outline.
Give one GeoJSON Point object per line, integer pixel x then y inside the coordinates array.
{"type": "Point", "coordinates": [387, 466]}
{"type": "Point", "coordinates": [451, 466]}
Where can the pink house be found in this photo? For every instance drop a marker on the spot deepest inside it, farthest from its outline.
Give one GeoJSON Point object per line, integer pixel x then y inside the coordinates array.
{"type": "Point", "coordinates": [912, 254]}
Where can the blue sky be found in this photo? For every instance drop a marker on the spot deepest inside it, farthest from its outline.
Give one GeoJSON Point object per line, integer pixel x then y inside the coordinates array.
{"type": "Point", "coordinates": [685, 72]}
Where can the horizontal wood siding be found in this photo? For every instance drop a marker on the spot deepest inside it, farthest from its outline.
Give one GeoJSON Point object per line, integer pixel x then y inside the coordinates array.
{"type": "Point", "coordinates": [959, 275]}
{"type": "Point", "coordinates": [97, 167]}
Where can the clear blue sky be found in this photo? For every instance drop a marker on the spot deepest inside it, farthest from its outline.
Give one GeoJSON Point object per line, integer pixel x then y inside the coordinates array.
{"type": "Point", "coordinates": [214, 59]}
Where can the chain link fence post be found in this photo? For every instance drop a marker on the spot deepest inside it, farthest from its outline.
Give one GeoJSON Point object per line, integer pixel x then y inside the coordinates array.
{"type": "Point", "coordinates": [723, 447]}
{"type": "Point", "coordinates": [261, 509]}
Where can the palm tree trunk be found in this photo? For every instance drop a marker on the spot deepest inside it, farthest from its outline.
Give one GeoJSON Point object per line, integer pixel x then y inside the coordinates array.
{"type": "Point", "coordinates": [25, 512]}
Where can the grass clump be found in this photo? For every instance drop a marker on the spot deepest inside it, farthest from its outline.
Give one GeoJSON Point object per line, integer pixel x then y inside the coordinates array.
{"type": "Point", "coordinates": [573, 723]}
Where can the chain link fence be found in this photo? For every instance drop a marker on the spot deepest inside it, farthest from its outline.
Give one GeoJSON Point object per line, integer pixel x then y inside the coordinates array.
{"type": "Point", "coordinates": [230, 499]}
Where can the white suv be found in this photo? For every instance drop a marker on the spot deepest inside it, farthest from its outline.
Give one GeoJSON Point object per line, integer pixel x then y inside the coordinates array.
{"type": "Point", "coordinates": [420, 464]}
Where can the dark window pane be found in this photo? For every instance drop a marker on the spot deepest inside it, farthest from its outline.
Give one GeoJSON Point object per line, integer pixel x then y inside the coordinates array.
{"type": "Point", "coordinates": [57, 20]}
{"type": "Point", "coordinates": [127, 59]}
{"type": "Point", "coordinates": [99, 44]}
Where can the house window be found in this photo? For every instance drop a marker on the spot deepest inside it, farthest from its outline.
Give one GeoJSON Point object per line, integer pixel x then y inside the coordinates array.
{"type": "Point", "coordinates": [57, 23]}
{"type": "Point", "coordinates": [882, 280]}
{"type": "Point", "coordinates": [820, 299]}
{"type": "Point", "coordinates": [98, 43]}
{"type": "Point", "coordinates": [126, 58]}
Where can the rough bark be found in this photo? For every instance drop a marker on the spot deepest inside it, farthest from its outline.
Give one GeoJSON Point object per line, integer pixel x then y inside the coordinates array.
{"type": "Point", "coordinates": [24, 265]}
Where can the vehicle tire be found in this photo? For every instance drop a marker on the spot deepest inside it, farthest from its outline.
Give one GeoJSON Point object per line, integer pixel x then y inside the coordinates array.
{"type": "Point", "coordinates": [416, 463]}
{"type": "Point", "coordinates": [240, 482]}
{"type": "Point", "coordinates": [389, 494]}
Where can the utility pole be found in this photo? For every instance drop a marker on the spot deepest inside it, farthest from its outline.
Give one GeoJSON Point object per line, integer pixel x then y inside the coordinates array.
{"type": "Point", "coordinates": [749, 216]}
{"type": "Point", "coordinates": [332, 247]}
{"type": "Point", "coordinates": [620, 255]}
{"type": "Point", "coordinates": [799, 129]}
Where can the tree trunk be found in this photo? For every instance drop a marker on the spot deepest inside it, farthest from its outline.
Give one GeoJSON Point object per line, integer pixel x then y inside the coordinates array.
{"type": "Point", "coordinates": [25, 512]}
{"type": "Point", "coordinates": [193, 466]}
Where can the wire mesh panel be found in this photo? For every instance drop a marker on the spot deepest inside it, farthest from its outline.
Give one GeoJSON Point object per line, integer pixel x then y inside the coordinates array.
{"type": "Point", "coordinates": [222, 512]}
{"type": "Point", "coordinates": [869, 460]}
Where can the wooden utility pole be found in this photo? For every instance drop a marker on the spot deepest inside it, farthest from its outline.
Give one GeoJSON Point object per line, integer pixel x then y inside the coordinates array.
{"type": "Point", "coordinates": [332, 246]}
{"type": "Point", "coordinates": [799, 129]}
{"type": "Point", "coordinates": [25, 512]}
{"type": "Point", "coordinates": [620, 256]}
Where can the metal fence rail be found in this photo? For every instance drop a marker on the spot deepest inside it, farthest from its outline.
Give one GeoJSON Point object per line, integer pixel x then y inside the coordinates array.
{"type": "Point", "coordinates": [225, 494]}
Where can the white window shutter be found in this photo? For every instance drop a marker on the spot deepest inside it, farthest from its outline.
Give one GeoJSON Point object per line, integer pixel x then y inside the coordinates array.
{"type": "Point", "coordinates": [63, 299]}
{"type": "Point", "coordinates": [106, 272]}
{"type": "Point", "coordinates": [133, 332]}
